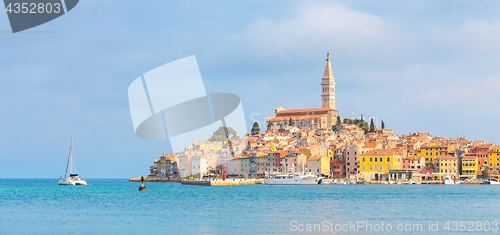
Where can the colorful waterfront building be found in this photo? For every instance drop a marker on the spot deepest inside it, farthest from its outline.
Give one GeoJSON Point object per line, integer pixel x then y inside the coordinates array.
{"type": "Point", "coordinates": [165, 165]}
{"type": "Point", "coordinates": [351, 160]}
{"type": "Point", "coordinates": [416, 163]}
{"type": "Point", "coordinates": [469, 165]}
{"type": "Point", "coordinates": [482, 152]}
{"type": "Point", "coordinates": [338, 167]}
{"type": "Point", "coordinates": [293, 161]}
{"type": "Point", "coordinates": [319, 165]}
{"type": "Point", "coordinates": [430, 153]}
{"type": "Point", "coordinates": [276, 159]}
{"type": "Point", "coordinates": [376, 163]}
{"type": "Point", "coordinates": [494, 161]}
{"type": "Point", "coordinates": [447, 165]}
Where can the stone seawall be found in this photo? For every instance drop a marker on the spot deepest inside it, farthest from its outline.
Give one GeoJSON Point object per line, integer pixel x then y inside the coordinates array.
{"type": "Point", "coordinates": [210, 182]}
{"type": "Point", "coordinates": [213, 182]}
{"type": "Point", "coordinates": [157, 179]}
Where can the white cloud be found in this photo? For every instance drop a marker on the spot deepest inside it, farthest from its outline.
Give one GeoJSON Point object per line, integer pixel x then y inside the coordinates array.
{"type": "Point", "coordinates": [331, 26]}
{"type": "Point", "coordinates": [483, 96]}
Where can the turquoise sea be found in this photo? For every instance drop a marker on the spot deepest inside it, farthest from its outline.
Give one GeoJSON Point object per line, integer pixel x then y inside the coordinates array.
{"type": "Point", "coordinates": [40, 206]}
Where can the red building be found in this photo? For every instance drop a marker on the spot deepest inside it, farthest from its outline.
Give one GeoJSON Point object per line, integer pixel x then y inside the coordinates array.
{"type": "Point", "coordinates": [277, 155]}
{"type": "Point", "coordinates": [482, 152]}
{"type": "Point", "coordinates": [337, 167]}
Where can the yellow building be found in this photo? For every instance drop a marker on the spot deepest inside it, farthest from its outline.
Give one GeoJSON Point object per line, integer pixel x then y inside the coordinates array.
{"type": "Point", "coordinates": [373, 164]}
{"type": "Point", "coordinates": [430, 153]}
{"type": "Point", "coordinates": [415, 153]}
{"type": "Point", "coordinates": [319, 165]}
{"type": "Point", "coordinates": [469, 166]}
{"type": "Point", "coordinates": [331, 154]}
{"type": "Point", "coordinates": [494, 164]}
{"type": "Point", "coordinates": [447, 165]}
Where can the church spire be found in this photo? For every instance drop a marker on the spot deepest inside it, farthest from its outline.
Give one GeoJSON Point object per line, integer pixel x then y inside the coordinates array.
{"type": "Point", "coordinates": [328, 86]}
{"type": "Point", "coordinates": [328, 68]}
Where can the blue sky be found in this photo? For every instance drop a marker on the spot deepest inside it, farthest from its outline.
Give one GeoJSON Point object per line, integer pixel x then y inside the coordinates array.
{"type": "Point", "coordinates": [429, 66]}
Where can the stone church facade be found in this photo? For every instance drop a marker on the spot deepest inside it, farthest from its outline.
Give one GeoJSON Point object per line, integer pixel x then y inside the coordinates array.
{"type": "Point", "coordinates": [324, 117]}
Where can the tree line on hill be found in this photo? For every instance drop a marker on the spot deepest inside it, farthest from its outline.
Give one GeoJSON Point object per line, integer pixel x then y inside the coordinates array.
{"type": "Point", "coordinates": [361, 123]}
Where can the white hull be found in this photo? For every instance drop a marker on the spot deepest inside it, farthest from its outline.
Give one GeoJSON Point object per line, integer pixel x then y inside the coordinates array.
{"type": "Point", "coordinates": [294, 179]}
{"type": "Point", "coordinates": [73, 179]}
{"type": "Point", "coordinates": [72, 182]}
{"type": "Point", "coordinates": [449, 181]}
{"type": "Point", "coordinates": [495, 182]}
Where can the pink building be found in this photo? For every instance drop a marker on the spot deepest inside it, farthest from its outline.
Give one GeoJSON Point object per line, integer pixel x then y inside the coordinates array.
{"type": "Point", "coordinates": [337, 167]}
{"type": "Point", "coordinates": [414, 163]}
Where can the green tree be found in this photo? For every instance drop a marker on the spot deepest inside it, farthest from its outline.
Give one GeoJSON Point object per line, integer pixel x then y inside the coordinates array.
{"type": "Point", "coordinates": [360, 123]}
{"type": "Point", "coordinates": [338, 120]}
{"type": "Point", "coordinates": [383, 125]}
{"type": "Point", "coordinates": [372, 126]}
{"type": "Point", "coordinates": [485, 173]}
{"type": "Point", "coordinates": [224, 134]}
{"type": "Point", "coordinates": [290, 122]}
{"type": "Point", "coordinates": [362, 117]}
{"type": "Point", "coordinates": [255, 129]}
{"type": "Point", "coordinates": [269, 125]}
{"type": "Point", "coordinates": [347, 121]}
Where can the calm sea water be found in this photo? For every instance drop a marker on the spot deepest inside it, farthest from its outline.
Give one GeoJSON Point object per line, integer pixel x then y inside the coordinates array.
{"type": "Point", "coordinates": [40, 206]}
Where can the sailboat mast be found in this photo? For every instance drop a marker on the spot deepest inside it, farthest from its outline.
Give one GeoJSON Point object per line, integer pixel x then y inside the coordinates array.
{"type": "Point", "coordinates": [71, 156]}
{"type": "Point", "coordinates": [69, 159]}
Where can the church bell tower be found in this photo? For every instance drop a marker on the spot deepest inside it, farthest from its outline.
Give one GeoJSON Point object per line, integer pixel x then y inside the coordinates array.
{"type": "Point", "coordinates": [328, 86]}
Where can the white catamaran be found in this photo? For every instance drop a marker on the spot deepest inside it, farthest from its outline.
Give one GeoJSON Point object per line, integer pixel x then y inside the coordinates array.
{"type": "Point", "coordinates": [73, 179]}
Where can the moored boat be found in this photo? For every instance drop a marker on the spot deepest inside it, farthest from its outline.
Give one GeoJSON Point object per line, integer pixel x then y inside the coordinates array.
{"type": "Point", "coordinates": [494, 181]}
{"type": "Point", "coordinates": [293, 178]}
{"type": "Point", "coordinates": [449, 181]}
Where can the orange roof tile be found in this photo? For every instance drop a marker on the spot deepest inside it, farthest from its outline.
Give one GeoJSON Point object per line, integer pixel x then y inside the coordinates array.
{"type": "Point", "coordinates": [379, 152]}
{"type": "Point", "coordinates": [306, 110]}
{"type": "Point", "coordinates": [295, 118]}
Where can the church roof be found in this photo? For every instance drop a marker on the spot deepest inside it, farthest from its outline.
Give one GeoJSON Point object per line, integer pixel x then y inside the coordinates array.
{"type": "Point", "coordinates": [296, 117]}
{"type": "Point", "coordinates": [306, 110]}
